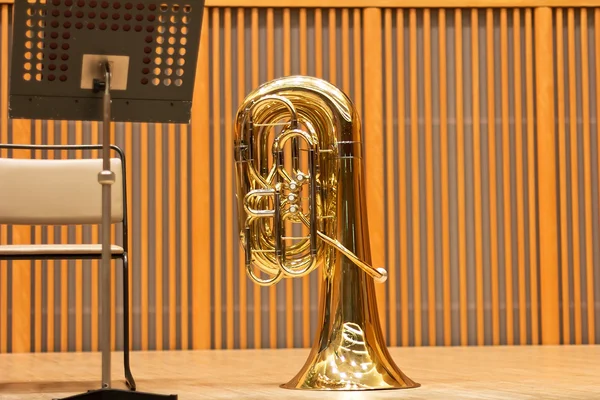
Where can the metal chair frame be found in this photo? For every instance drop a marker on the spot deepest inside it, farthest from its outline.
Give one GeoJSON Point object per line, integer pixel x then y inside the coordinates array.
{"type": "Point", "coordinates": [129, 380]}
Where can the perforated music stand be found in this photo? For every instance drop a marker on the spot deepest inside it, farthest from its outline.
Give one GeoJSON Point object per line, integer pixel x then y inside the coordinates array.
{"type": "Point", "coordinates": [100, 60]}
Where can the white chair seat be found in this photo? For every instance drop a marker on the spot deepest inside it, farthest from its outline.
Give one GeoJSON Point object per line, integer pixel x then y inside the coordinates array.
{"type": "Point", "coordinates": [54, 249]}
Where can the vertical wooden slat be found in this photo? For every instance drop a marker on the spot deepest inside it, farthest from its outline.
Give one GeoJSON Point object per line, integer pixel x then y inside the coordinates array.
{"type": "Point", "coordinates": [520, 194]}
{"type": "Point", "coordinates": [78, 263]}
{"type": "Point", "coordinates": [4, 138]}
{"type": "Point", "coordinates": [492, 175]}
{"type": "Point", "coordinates": [390, 182]}
{"type": "Point", "coordinates": [228, 179]}
{"type": "Point", "coordinates": [4, 51]}
{"type": "Point", "coordinates": [416, 212]}
{"type": "Point", "coordinates": [332, 47]}
{"type": "Point", "coordinates": [129, 189]}
{"type": "Point", "coordinates": [318, 43]}
{"type": "Point", "coordinates": [444, 166]}
{"type": "Point", "coordinates": [268, 64]}
{"type": "Point", "coordinates": [597, 52]}
{"type": "Point", "coordinates": [200, 187]}
{"type": "Point", "coordinates": [50, 269]}
{"type": "Point", "coordinates": [562, 159]}
{"type": "Point", "coordinates": [37, 238]}
{"type": "Point", "coordinates": [590, 277]}
{"type": "Point", "coordinates": [21, 272]}
{"type": "Point", "coordinates": [241, 94]}
{"type": "Point", "coordinates": [548, 237]}
{"type": "Point", "coordinates": [574, 169]}
{"type": "Point", "coordinates": [95, 264]}
{"type": "Point", "coordinates": [429, 202]}
{"type": "Point", "coordinates": [289, 284]}
{"type": "Point", "coordinates": [255, 82]}
{"type": "Point", "coordinates": [585, 102]}
{"type": "Point", "coordinates": [319, 56]}
{"type": "Point", "coordinates": [373, 144]}
{"type": "Point", "coordinates": [113, 272]}
{"type": "Point", "coordinates": [477, 190]}
{"type": "Point", "coordinates": [172, 235]}
{"type": "Point", "coordinates": [506, 151]}
{"type": "Point", "coordinates": [144, 217]}
{"type": "Point", "coordinates": [184, 235]}
{"type": "Point", "coordinates": [158, 229]}
{"type": "Point", "coordinates": [270, 76]}
{"type": "Point", "coordinates": [333, 78]}
{"type": "Point", "coordinates": [216, 178]}
{"type": "Point", "coordinates": [400, 90]}
{"type": "Point", "coordinates": [346, 50]}
{"type": "Point", "coordinates": [64, 265]}
{"type": "Point", "coordinates": [306, 279]}
{"type": "Point", "coordinates": [460, 179]}
{"type": "Point", "coordinates": [358, 51]}
{"type": "Point", "coordinates": [531, 171]}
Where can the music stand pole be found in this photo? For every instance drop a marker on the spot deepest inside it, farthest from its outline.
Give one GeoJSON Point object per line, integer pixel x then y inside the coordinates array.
{"type": "Point", "coordinates": [106, 178]}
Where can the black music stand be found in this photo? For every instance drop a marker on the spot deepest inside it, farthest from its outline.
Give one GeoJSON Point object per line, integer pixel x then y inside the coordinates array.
{"type": "Point", "coordinates": [101, 60]}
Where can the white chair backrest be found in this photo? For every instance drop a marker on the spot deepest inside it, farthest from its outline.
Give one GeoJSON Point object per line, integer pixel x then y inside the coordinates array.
{"type": "Point", "coordinates": [56, 192]}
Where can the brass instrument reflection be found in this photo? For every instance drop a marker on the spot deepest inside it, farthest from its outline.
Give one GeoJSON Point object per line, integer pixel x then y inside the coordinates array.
{"type": "Point", "coordinates": [326, 197]}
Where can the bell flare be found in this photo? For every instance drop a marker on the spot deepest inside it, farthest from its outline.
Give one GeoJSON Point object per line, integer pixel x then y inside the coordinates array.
{"type": "Point", "coordinates": [350, 363]}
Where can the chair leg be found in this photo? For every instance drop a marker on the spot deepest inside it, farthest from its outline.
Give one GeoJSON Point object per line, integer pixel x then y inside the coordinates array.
{"type": "Point", "coordinates": [128, 375]}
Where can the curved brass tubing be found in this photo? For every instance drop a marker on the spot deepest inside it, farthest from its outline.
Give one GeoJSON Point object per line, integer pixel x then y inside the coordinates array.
{"type": "Point", "coordinates": [349, 351]}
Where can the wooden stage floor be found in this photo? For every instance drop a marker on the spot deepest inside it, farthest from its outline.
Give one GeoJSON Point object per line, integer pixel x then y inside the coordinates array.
{"type": "Point", "coordinates": [569, 372]}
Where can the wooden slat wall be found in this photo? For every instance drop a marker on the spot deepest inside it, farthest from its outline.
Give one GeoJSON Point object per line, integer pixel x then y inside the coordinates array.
{"type": "Point", "coordinates": [452, 103]}
{"type": "Point", "coordinates": [458, 177]}
{"type": "Point", "coordinates": [577, 71]}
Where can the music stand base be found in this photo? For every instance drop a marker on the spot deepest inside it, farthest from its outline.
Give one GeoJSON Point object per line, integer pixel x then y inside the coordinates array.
{"type": "Point", "coordinates": [117, 394]}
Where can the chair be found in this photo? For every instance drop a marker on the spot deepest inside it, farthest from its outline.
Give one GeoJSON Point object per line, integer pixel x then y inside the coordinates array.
{"type": "Point", "coordinates": [70, 195]}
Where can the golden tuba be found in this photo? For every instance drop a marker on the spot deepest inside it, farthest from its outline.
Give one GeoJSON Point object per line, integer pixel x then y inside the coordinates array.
{"type": "Point", "coordinates": [297, 146]}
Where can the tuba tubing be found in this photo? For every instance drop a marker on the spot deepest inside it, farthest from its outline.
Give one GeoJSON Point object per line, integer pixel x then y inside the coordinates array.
{"type": "Point", "coordinates": [325, 196]}
{"type": "Point", "coordinates": [379, 274]}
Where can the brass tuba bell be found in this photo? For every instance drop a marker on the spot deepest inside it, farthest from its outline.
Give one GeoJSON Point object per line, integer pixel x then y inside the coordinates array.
{"type": "Point", "coordinates": [298, 160]}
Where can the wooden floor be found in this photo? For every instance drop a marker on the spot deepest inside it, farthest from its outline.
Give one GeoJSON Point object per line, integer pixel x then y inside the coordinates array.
{"type": "Point", "coordinates": [445, 373]}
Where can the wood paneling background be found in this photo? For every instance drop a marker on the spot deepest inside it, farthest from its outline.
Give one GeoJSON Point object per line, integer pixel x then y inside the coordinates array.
{"type": "Point", "coordinates": [482, 157]}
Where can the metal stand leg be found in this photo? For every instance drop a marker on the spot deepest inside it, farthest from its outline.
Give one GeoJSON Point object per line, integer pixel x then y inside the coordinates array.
{"type": "Point", "coordinates": [106, 178]}
{"type": "Point", "coordinates": [128, 375]}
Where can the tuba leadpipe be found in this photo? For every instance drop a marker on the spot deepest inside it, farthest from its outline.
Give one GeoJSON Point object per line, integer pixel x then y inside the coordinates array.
{"type": "Point", "coordinates": [298, 157]}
